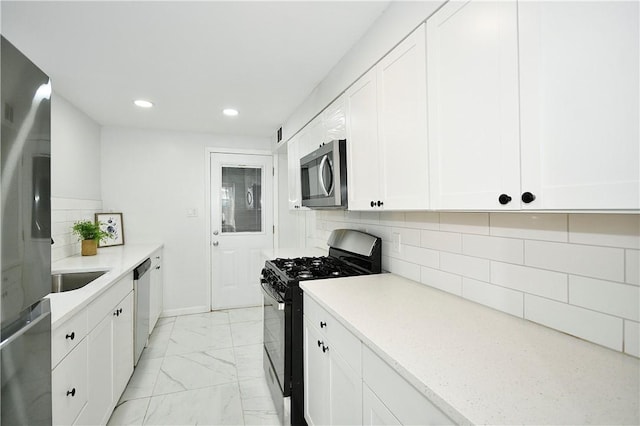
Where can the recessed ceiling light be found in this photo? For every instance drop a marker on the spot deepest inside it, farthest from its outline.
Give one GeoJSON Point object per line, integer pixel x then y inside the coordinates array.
{"type": "Point", "coordinates": [230, 112]}
{"type": "Point", "coordinates": [142, 103]}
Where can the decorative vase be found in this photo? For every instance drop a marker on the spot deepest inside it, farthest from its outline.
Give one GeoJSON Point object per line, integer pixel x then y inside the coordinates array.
{"type": "Point", "coordinates": [89, 247]}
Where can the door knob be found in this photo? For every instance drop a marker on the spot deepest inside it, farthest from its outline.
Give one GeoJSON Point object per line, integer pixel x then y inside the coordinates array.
{"type": "Point", "coordinates": [215, 232]}
{"type": "Point", "coordinates": [215, 243]}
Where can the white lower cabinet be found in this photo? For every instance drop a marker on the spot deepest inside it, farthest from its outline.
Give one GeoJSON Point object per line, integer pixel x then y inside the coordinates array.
{"type": "Point", "coordinates": [69, 385]}
{"type": "Point", "coordinates": [333, 387]}
{"type": "Point", "coordinates": [346, 383]}
{"type": "Point", "coordinates": [374, 412]}
{"type": "Point", "coordinates": [92, 374]}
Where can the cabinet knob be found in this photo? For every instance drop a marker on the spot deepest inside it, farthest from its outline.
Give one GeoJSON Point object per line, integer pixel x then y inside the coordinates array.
{"type": "Point", "coordinates": [323, 324]}
{"type": "Point", "coordinates": [72, 392]}
{"type": "Point", "coordinates": [380, 203]}
{"type": "Point", "coordinates": [527, 197]}
{"type": "Point", "coordinates": [504, 199]}
{"type": "Point", "coordinates": [71, 336]}
{"type": "Point", "coordinates": [325, 348]}
{"type": "Point", "coordinates": [116, 314]}
{"type": "Point", "coordinates": [158, 267]}
{"type": "Point", "coordinates": [120, 310]}
{"type": "Point", "coordinates": [373, 203]}
{"type": "Point", "coordinates": [320, 343]}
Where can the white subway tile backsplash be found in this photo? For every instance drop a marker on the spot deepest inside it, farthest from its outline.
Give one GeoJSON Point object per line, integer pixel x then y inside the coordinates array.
{"type": "Point", "coordinates": [632, 266]}
{"type": "Point", "coordinates": [552, 285]}
{"type": "Point", "coordinates": [408, 236]}
{"type": "Point", "coordinates": [497, 248]}
{"type": "Point", "coordinates": [421, 256]}
{"type": "Point", "coordinates": [613, 230]}
{"type": "Point", "coordinates": [467, 266]}
{"type": "Point", "coordinates": [422, 220]}
{"type": "Point", "coordinates": [591, 261]}
{"type": "Point", "coordinates": [445, 241]}
{"type": "Point", "coordinates": [632, 338]}
{"type": "Point", "coordinates": [468, 223]}
{"type": "Point", "coordinates": [441, 280]}
{"type": "Point", "coordinates": [404, 269]}
{"type": "Point", "coordinates": [392, 218]}
{"type": "Point", "coordinates": [594, 326]}
{"type": "Point", "coordinates": [578, 273]}
{"type": "Point", "coordinates": [64, 213]}
{"type": "Point", "coordinates": [547, 227]}
{"type": "Point", "coordinates": [500, 298]}
{"type": "Point", "coordinates": [622, 300]}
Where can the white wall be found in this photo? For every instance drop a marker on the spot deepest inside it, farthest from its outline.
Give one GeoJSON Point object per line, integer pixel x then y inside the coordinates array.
{"type": "Point", "coordinates": [75, 152]}
{"type": "Point", "coordinates": [153, 178]}
{"type": "Point", "coordinates": [577, 273]}
{"type": "Point", "coordinates": [397, 22]}
{"type": "Point", "coordinates": [75, 173]}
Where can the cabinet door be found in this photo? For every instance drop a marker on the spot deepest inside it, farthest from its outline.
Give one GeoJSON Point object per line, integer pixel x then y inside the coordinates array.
{"type": "Point", "coordinates": [363, 173]}
{"type": "Point", "coordinates": [69, 389]}
{"type": "Point", "coordinates": [374, 411]}
{"type": "Point", "coordinates": [122, 324]}
{"type": "Point", "coordinates": [472, 81]}
{"type": "Point", "coordinates": [293, 175]}
{"type": "Point", "coordinates": [311, 137]}
{"type": "Point", "coordinates": [334, 120]}
{"type": "Point", "coordinates": [345, 391]}
{"type": "Point", "coordinates": [579, 91]}
{"type": "Point", "coordinates": [100, 375]}
{"type": "Point", "coordinates": [402, 115]}
{"type": "Point", "coordinates": [316, 377]}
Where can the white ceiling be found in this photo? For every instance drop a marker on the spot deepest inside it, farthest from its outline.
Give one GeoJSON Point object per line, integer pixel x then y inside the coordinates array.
{"type": "Point", "coordinates": [192, 59]}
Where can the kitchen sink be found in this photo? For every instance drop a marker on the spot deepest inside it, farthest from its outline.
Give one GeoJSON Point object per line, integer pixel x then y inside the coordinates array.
{"type": "Point", "coordinates": [73, 280]}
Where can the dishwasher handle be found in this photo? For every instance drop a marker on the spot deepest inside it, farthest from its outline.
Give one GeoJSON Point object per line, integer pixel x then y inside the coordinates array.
{"type": "Point", "coordinates": [141, 269]}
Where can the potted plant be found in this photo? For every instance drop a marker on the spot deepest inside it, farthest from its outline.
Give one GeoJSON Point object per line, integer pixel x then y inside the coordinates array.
{"type": "Point", "coordinates": [89, 233]}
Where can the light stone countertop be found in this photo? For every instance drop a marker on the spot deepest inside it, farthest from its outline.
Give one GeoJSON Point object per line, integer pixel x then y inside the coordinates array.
{"type": "Point", "coordinates": [118, 261]}
{"type": "Point", "coordinates": [479, 365]}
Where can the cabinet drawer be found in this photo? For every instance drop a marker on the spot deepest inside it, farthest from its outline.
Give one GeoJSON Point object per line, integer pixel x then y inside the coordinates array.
{"type": "Point", "coordinates": [341, 339]}
{"type": "Point", "coordinates": [400, 397]}
{"type": "Point", "coordinates": [67, 336]}
{"type": "Point", "coordinates": [69, 391]}
{"type": "Point", "coordinates": [103, 305]}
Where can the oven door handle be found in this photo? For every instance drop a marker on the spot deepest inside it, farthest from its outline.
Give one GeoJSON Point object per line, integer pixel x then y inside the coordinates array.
{"type": "Point", "coordinates": [268, 293]}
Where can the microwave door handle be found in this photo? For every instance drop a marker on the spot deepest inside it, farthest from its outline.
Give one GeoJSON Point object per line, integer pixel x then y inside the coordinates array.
{"type": "Point", "coordinates": [323, 164]}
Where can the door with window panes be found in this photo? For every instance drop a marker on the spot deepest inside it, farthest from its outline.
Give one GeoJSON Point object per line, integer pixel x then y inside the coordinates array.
{"type": "Point", "coordinates": [241, 227]}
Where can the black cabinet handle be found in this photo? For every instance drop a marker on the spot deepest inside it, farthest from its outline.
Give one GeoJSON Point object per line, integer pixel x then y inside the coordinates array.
{"type": "Point", "coordinates": [527, 197]}
{"type": "Point", "coordinates": [71, 336]}
{"type": "Point", "coordinates": [373, 203]}
{"type": "Point", "coordinates": [504, 199]}
{"type": "Point", "coordinates": [380, 203]}
{"type": "Point", "coordinates": [320, 343]}
{"type": "Point", "coordinates": [325, 348]}
{"type": "Point", "coordinates": [323, 324]}
{"type": "Point", "coordinates": [120, 310]}
{"type": "Point", "coordinates": [72, 392]}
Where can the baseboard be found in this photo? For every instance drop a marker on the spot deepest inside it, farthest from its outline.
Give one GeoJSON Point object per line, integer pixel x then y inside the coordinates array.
{"type": "Point", "coordinates": [184, 311]}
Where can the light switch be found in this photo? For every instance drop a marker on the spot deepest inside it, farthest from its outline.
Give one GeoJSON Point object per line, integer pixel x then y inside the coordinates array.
{"type": "Point", "coordinates": [395, 242]}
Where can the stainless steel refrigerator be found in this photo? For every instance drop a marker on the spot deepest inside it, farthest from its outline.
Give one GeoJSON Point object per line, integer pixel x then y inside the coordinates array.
{"type": "Point", "coordinates": [25, 234]}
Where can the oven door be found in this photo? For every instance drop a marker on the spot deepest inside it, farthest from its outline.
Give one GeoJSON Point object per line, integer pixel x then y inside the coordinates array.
{"type": "Point", "coordinates": [274, 330]}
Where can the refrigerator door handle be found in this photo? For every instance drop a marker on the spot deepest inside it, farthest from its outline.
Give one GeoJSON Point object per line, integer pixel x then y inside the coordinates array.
{"type": "Point", "coordinates": [26, 322]}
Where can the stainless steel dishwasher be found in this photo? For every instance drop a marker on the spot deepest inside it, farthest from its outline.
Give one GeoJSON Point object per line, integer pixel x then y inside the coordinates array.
{"type": "Point", "coordinates": [142, 295]}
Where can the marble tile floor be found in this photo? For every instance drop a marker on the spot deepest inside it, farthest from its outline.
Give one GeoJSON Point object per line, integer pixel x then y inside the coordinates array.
{"type": "Point", "coordinates": [201, 369]}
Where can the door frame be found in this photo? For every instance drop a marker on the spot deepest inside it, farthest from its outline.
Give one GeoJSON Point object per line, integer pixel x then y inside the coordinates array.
{"type": "Point", "coordinates": [207, 202]}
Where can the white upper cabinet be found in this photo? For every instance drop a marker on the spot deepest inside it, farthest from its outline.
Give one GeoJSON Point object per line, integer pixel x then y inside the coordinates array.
{"type": "Point", "coordinates": [334, 120]}
{"type": "Point", "coordinates": [579, 86]}
{"type": "Point", "coordinates": [472, 74]}
{"type": "Point", "coordinates": [534, 105]}
{"type": "Point", "coordinates": [363, 171]}
{"type": "Point", "coordinates": [387, 132]}
{"type": "Point", "coordinates": [311, 137]}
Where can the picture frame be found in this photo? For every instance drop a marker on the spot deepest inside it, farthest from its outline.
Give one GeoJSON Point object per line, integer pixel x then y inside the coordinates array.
{"type": "Point", "coordinates": [111, 223]}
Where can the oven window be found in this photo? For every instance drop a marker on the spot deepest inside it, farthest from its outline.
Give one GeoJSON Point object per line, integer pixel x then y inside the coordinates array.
{"type": "Point", "coordinates": [241, 199]}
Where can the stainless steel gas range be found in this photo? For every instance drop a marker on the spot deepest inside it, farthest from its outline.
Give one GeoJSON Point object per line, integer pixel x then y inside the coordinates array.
{"type": "Point", "coordinates": [351, 253]}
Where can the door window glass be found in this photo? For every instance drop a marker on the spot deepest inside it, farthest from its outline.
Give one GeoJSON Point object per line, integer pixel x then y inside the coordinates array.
{"type": "Point", "coordinates": [241, 199]}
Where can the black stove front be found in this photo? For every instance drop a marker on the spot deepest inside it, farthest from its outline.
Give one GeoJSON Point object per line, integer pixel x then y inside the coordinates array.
{"type": "Point", "coordinates": [351, 253]}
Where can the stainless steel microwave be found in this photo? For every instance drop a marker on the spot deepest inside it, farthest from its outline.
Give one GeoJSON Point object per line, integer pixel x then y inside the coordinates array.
{"type": "Point", "coordinates": [323, 176]}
